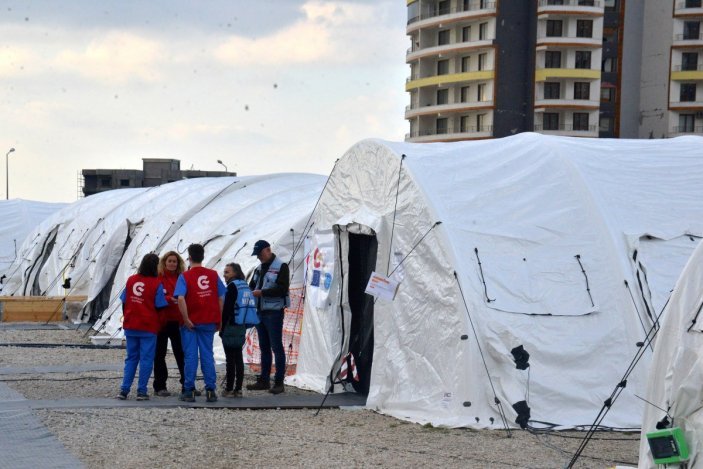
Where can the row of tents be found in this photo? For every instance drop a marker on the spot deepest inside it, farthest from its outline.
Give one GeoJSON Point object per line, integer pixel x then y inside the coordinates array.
{"type": "Point", "coordinates": [531, 269]}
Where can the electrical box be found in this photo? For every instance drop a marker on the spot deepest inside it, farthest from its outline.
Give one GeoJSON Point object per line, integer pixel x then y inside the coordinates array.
{"type": "Point", "coordinates": [668, 446]}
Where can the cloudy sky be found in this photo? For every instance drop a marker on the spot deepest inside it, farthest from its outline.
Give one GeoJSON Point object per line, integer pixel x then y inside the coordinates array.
{"type": "Point", "coordinates": [263, 85]}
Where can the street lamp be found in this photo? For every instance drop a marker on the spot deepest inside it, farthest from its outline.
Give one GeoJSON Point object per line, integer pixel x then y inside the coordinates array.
{"type": "Point", "coordinates": [7, 174]}
{"type": "Point", "coordinates": [220, 162]}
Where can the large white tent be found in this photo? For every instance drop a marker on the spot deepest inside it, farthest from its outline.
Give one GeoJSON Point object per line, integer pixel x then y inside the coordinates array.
{"type": "Point", "coordinates": [99, 241]}
{"type": "Point", "coordinates": [565, 248]}
{"type": "Point", "coordinates": [675, 382]}
{"type": "Point", "coordinates": [19, 217]}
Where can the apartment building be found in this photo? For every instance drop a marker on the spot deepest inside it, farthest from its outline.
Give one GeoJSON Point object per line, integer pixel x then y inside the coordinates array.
{"type": "Point", "coordinates": [492, 68]}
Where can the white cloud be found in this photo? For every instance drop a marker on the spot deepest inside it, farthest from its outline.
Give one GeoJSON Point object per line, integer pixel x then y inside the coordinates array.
{"type": "Point", "coordinates": [15, 60]}
{"type": "Point", "coordinates": [323, 36]}
{"type": "Point", "coordinates": [116, 57]}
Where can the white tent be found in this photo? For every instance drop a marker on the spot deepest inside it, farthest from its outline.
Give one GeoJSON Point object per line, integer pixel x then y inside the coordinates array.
{"type": "Point", "coordinates": [19, 217]}
{"type": "Point", "coordinates": [676, 373]}
{"type": "Point", "coordinates": [538, 236]}
{"type": "Point", "coordinates": [99, 241]}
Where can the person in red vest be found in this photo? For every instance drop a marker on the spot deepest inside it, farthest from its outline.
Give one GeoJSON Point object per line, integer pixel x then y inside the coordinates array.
{"type": "Point", "coordinates": [141, 297]}
{"type": "Point", "coordinates": [200, 294]}
{"type": "Point", "coordinates": [171, 266]}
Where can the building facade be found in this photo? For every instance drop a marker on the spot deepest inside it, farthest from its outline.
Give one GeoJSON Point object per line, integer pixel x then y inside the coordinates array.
{"type": "Point", "coordinates": [492, 68]}
{"type": "Point", "coordinates": [154, 172]}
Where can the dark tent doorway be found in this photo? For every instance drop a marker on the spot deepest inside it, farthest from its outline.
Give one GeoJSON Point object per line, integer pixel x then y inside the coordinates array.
{"type": "Point", "coordinates": [362, 262]}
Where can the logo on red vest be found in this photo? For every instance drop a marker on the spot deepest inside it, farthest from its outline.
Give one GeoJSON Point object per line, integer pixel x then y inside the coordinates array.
{"type": "Point", "coordinates": [203, 282]}
{"type": "Point", "coordinates": [138, 288]}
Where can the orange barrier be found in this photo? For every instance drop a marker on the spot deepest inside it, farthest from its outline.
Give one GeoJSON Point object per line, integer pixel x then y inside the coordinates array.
{"type": "Point", "coordinates": [292, 327]}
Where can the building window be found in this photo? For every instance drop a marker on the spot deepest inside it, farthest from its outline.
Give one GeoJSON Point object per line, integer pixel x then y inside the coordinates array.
{"type": "Point", "coordinates": [443, 37]}
{"type": "Point", "coordinates": [482, 58]}
{"type": "Point", "coordinates": [443, 7]}
{"type": "Point", "coordinates": [464, 124]}
{"type": "Point", "coordinates": [481, 92]}
{"type": "Point", "coordinates": [609, 5]}
{"type": "Point", "coordinates": [584, 28]}
{"type": "Point", "coordinates": [689, 61]}
{"type": "Point", "coordinates": [442, 96]}
{"type": "Point", "coordinates": [608, 64]}
{"type": "Point", "coordinates": [552, 90]}
{"type": "Point", "coordinates": [106, 181]}
{"type": "Point", "coordinates": [580, 121]}
{"type": "Point", "coordinates": [482, 31]}
{"type": "Point", "coordinates": [607, 94]}
{"type": "Point", "coordinates": [688, 92]}
{"type": "Point", "coordinates": [587, 3]}
{"type": "Point", "coordinates": [480, 122]}
{"type": "Point", "coordinates": [465, 64]}
{"type": "Point", "coordinates": [693, 3]}
{"type": "Point", "coordinates": [554, 28]}
{"type": "Point", "coordinates": [442, 125]}
{"type": "Point", "coordinates": [550, 121]}
{"type": "Point", "coordinates": [686, 122]}
{"type": "Point", "coordinates": [582, 90]}
{"type": "Point", "coordinates": [691, 30]}
{"type": "Point", "coordinates": [465, 90]}
{"type": "Point", "coordinates": [552, 59]}
{"type": "Point", "coordinates": [124, 182]}
{"type": "Point", "coordinates": [555, 2]}
{"type": "Point", "coordinates": [605, 124]}
{"type": "Point", "coordinates": [442, 67]}
{"type": "Point", "coordinates": [583, 59]}
{"type": "Point", "coordinates": [466, 33]}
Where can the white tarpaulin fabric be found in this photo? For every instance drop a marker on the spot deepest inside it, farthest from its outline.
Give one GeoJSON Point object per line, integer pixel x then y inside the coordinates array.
{"type": "Point", "coordinates": [675, 379]}
{"type": "Point", "coordinates": [19, 217]}
{"type": "Point", "coordinates": [538, 236]}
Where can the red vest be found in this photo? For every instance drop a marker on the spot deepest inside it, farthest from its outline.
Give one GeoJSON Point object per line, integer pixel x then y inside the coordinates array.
{"type": "Point", "coordinates": [170, 312]}
{"type": "Point", "coordinates": [139, 308]}
{"type": "Point", "coordinates": [201, 296]}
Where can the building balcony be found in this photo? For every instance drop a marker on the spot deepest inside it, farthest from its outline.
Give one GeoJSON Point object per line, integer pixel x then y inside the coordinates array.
{"type": "Point", "coordinates": [447, 49]}
{"type": "Point", "coordinates": [568, 130]}
{"type": "Point", "coordinates": [688, 8]}
{"type": "Point", "coordinates": [543, 74]}
{"type": "Point", "coordinates": [414, 110]}
{"type": "Point", "coordinates": [576, 7]}
{"type": "Point", "coordinates": [436, 80]}
{"type": "Point", "coordinates": [686, 105]}
{"type": "Point", "coordinates": [688, 40]}
{"type": "Point", "coordinates": [585, 104]}
{"type": "Point", "coordinates": [688, 75]}
{"type": "Point", "coordinates": [570, 41]}
{"type": "Point", "coordinates": [687, 130]}
{"type": "Point", "coordinates": [450, 134]}
{"type": "Point", "coordinates": [475, 9]}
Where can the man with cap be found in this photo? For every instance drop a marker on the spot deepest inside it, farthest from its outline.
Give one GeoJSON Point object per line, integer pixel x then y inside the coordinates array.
{"type": "Point", "coordinates": [269, 285]}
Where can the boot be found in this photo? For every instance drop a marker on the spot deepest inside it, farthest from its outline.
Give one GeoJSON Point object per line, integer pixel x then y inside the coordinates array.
{"type": "Point", "coordinates": [277, 387]}
{"type": "Point", "coordinates": [260, 385]}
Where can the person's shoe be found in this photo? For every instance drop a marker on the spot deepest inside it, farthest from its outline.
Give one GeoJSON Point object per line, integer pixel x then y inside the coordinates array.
{"type": "Point", "coordinates": [197, 393]}
{"type": "Point", "coordinates": [211, 396]}
{"type": "Point", "coordinates": [260, 385]}
{"type": "Point", "coordinates": [237, 393]}
{"type": "Point", "coordinates": [122, 396]}
{"type": "Point", "coordinates": [162, 393]}
{"type": "Point", "coordinates": [142, 396]}
{"type": "Point", "coordinates": [228, 393]}
{"type": "Point", "coordinates": [187, 396]}
{"type": "Point", "coordinates": [277, 388]}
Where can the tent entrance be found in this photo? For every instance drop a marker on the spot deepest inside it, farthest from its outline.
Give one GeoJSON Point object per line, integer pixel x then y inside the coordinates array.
{"type": "Point", "coordinates": [362, 262]}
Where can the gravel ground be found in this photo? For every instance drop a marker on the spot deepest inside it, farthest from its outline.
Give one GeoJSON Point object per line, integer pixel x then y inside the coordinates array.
{"type": "Point", "coordinates": [132, 437]}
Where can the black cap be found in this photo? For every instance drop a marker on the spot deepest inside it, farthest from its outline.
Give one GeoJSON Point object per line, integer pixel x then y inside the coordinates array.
{"type": "Point", "coordinates": [259, 246]}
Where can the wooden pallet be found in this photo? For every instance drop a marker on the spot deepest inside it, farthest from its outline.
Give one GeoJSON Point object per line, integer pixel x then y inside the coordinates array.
{"type": "Point", "coordinates": [35, 308]}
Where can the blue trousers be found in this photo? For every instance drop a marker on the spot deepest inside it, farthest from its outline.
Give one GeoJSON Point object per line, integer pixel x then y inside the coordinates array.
{"type": "Point", "coordinates": [270, 332]}
{"type": "Point", "coordinates": [141, 347]}
{"type": "Point", "coordinates": [199, 340]}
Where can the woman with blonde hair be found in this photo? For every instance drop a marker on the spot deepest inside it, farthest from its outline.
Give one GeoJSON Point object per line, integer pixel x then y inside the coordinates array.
{"type": "Point", "coordinates": [171, 266]}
